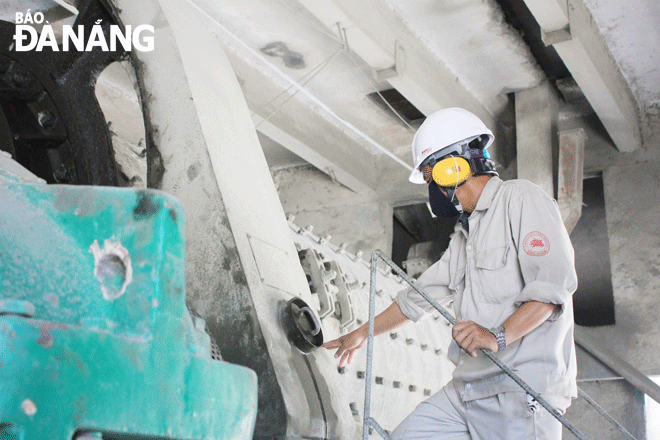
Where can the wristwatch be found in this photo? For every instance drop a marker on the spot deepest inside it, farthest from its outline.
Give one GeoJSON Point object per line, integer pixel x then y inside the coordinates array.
{"type": "Point", "coordinates": [498, 332]}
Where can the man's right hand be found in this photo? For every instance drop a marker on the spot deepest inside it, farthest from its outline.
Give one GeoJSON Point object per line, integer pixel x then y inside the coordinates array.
{"type": "Point", "coordinates": [348, 344]}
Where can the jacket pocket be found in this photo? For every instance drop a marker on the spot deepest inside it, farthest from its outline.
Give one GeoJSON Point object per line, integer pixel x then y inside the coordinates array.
{"type": "Point", "coordinates": [498, 275]}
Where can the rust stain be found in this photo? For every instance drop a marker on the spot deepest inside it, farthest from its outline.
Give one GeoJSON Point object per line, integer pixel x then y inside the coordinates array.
{"type": "Point", "coordinates": [46, 339]}
{"type": "Point", "coordinates": [8, 332]}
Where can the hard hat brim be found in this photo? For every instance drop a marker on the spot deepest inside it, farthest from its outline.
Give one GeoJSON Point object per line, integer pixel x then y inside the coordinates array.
{"type": "Point", "coordinates": [416, 177]}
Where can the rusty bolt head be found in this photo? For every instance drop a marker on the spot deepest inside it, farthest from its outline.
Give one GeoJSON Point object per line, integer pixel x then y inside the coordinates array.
{"type": "Point", "coordinates": [46, 118]}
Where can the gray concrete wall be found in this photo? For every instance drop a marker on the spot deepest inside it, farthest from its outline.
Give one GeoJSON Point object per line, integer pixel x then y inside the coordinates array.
{"type": "Point", "coordinates": [632, 198]}
{"type": "Point", "coordinates": [362, 221]}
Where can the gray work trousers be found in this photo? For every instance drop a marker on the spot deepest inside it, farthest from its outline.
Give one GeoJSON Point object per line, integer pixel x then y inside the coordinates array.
{"type": "Point", "coordinates": [505, 416]}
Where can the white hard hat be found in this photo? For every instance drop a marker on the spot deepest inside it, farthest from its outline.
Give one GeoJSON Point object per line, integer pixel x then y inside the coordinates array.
{"type": "Point", "coordinates": [443, 129]}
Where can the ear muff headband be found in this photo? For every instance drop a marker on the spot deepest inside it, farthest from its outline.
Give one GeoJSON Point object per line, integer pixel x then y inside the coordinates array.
{"type": "Point", "coordinates": [451, 171]}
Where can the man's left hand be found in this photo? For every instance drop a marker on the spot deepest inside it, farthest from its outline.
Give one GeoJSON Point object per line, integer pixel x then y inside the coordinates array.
{"type": "Point", "coordinates": [470, 336]}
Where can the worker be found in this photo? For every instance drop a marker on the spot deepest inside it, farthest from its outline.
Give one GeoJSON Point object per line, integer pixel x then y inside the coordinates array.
{"type": "Point", "coordinates": [509, 269]}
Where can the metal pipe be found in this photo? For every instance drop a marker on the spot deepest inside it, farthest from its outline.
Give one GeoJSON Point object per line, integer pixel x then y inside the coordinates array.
{"type": "Point", "coordinates": [374, 260]}
{"type": "Point", "coordinates": [635, 377]}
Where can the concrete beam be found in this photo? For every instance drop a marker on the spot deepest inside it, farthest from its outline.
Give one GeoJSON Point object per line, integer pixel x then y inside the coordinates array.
{"type": "Point", "coordinates": [241, 263]}
{"type": "Point", "coordinates": [301, 123]}
{"type": "Point", "coordinates": [536, 133]}
{"type": "Point", "coordinates": [345, 28]}
{"type": "Point", "coordinates": [371, 29]}
{"type": "Point", "coordinates": [304, 129]}
{"type": "Point", "coordinates": [571, 175]}
{"type": "Point", "coordinates": [335, 169]}
{"type": "Point", "coordinates": [551, 15]}
{"type": "Point", "coordinates": [587, 57]}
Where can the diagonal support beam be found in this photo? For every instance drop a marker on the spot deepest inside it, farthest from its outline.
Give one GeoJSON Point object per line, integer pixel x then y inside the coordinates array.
{"type": "Point", "coordinates": [376, 34]}
{"type": "Point", "coordinates": [569, 27]}
{"type": "Point", "coordinates": [334, 169]}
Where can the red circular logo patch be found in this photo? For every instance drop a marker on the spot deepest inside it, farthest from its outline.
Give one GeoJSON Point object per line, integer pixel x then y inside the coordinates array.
{"type": "Point", "coordinates": [536, 244]}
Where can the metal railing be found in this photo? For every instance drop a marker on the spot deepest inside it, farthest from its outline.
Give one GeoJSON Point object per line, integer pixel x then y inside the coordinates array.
{"type": "Point", "coordinates": [635, 377]}
{"type": "Point", "coordinates": [370, 422]}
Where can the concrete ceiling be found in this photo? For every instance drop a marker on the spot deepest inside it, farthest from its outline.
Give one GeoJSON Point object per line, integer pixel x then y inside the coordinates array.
{"type": "Point", "coordinates": [307, 68]}
{"type": "Point", "coordinates": [310, 71]}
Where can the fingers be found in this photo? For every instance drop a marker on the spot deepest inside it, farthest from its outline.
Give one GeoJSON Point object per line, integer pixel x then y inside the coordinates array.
{"type": "Point", "coordinates": [469, 344]}
{"type": "Point", "coordinates": [335, 343]}
{"type": "Point", "coordinates": [346, 346]}
{"type": "Point", "coordinates": [460, 327]}
{"type": "Point", "coordinates": [464, 337]}
{"type": "Point", "coordinates": [344, 353]}
{"type": "Point", "coordinates": [345, 357]}
{"type": "Point", "coordinates": [469, 337]}
{"type": "Point", "coordinates": [351, 356]}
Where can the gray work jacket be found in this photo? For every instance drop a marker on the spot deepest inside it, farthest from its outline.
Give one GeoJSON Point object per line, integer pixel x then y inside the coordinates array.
{"type": "Point", "coordinates": [517, 250]}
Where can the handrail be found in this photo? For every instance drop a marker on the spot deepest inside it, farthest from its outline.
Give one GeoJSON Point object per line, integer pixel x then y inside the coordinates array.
{"type": "Point", "coordinates": [635, 377]}
{"type": "Point", "coordinates": [368, 420]}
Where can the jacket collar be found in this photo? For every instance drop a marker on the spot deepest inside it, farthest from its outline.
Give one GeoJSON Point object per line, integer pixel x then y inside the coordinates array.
{"type": "Point", "coordinates": [488, 193]}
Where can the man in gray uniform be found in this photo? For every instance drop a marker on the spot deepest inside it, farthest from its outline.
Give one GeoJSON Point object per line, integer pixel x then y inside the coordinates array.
{"type": "Point", "coordinates": [509, 269]}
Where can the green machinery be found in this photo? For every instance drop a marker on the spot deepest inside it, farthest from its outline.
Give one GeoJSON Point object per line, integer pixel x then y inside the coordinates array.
{"type": "Point", "coordinates": [95, 337]}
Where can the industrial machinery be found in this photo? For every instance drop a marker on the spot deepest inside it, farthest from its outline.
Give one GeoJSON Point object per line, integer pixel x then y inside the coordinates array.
{"type": "Point", "coordinates": [248, 271]}
{"type": "Point", "coordinates": [89, 326]}
{"type": "Point", "coordinates": [95, 337]}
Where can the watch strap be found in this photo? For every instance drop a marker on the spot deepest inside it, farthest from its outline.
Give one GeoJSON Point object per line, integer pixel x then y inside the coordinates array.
{"type": "Point", "coordinates": [498, 332]}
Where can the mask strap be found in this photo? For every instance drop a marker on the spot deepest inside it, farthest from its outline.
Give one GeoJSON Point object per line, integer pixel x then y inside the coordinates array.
{"type": "Point", "coordinates": [453, 193]}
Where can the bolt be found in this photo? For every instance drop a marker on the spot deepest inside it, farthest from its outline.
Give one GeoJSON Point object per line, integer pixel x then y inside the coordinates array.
{"type": "Point", "coordinates": [19, 77]}
{"type": "Point", "coordinates": [62, 174]}
{"type": "Point", "coordinates": [46, 118]}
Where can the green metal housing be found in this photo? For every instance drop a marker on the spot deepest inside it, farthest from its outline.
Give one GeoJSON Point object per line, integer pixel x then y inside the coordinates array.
{"type": "Point", "coordinates": [95, 337]}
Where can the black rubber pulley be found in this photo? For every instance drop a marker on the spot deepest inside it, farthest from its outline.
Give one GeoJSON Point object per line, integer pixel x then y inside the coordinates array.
{"type": "Point", "coordinates": [301, 325]}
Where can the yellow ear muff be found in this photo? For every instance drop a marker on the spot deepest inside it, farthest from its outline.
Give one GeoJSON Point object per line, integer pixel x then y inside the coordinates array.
{"type": "Point", "coordinates": [451, 171]}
